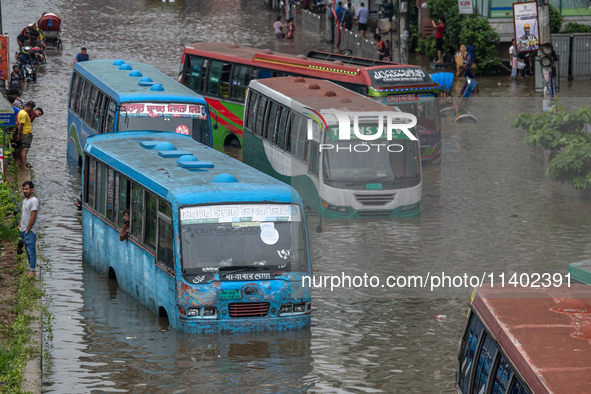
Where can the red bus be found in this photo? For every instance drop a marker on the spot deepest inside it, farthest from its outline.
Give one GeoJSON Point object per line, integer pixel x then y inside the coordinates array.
{"type": "Point", "coordinates": [527, 341]}
{"type": "Point", "coordinates": [221, 73]}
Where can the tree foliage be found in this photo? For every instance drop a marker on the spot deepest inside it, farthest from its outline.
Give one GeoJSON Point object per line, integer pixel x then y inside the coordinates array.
{"type": "Point", "coordinates": [574, 27]}
{"type": "Point", "coordinates": [564, 132]}
{"type": "Point", "coordinates": [459, 29]}
{"type": "Point", "coordinates": [555, 20]}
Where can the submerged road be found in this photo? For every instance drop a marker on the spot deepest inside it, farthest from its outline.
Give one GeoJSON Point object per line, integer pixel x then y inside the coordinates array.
{"type": "Point", "coordinates": [487, 208]}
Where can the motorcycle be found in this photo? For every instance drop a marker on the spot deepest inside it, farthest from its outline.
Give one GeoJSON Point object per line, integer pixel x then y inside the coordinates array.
{"type": "Point", "coordinates": [28, 72]}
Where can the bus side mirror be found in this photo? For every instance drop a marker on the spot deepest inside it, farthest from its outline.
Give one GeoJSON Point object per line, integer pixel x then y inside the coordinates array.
{"type": "Point", "coordinates": [215, 126]}
{"type": "Point", "coordinates": [315, 213]}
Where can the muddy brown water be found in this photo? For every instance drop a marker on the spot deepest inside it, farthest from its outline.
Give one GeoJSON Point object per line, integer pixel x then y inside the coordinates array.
{"type": "Point", "coordinates": [487, 208]}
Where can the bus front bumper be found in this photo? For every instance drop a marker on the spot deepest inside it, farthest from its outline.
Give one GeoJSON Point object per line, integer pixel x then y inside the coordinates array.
{"type": "Point", "coordinates": [246, 324]}
{"type": "Point", "coordinates": [331, 211]}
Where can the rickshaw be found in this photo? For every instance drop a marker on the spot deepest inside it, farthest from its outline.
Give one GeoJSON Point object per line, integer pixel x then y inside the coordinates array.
{"type": "Point", "coordinates": [461, 109]}
{"type": "Point", "coordinates": [50, 26]}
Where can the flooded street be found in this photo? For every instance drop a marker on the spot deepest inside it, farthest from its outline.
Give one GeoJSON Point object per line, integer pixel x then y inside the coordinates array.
{"type": "Point", "coordinates": [488, 207]}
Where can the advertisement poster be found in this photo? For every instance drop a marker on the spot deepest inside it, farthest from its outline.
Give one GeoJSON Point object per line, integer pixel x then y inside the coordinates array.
{"type": "Point", "coordinates": [4, 58]}
{"type": "Point", "coordinates": [466, 7]}
{"type": "Point", "coordinates": [527, 28]}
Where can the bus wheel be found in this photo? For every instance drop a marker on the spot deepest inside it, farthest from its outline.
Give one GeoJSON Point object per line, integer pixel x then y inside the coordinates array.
{"type": "Point", "coordinates": [112, 274]}
{"type": "Point", "coordinates": [232, 140]}
{"type": "Point", "coordinates": [164, 321]}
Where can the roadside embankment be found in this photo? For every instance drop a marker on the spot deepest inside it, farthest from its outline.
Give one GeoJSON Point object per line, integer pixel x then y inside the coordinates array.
{"type": "Point", "coordinates": [20, 298]}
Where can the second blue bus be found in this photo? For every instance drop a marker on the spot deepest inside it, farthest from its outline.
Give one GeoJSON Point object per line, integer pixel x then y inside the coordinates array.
{"type": "Point", "coordinates": [113, 95]}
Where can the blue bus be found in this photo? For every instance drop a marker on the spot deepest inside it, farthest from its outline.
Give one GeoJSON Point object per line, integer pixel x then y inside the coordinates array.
{"type": "Point", "coordinates": [113, 95]}
{"type": "Point", "coordinates": [214, 244]}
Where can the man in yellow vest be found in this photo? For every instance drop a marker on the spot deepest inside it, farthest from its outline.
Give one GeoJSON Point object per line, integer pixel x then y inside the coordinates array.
{"type": "Point", "coordinates": [25, 133]}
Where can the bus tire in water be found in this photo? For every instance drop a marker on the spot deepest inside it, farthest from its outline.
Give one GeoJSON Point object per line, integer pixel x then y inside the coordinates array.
{"type": "Point", "coordinates": [232, 140]}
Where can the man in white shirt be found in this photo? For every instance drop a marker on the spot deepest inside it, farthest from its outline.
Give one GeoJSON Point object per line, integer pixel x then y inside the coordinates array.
{"type": "Point", "coordinates": [28, 225]}
{"type": "Point", "coordinates": [363, 17]}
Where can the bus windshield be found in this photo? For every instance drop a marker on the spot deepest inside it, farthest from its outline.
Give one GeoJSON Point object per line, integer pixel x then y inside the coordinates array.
{"type": "Point", "coordinates": [254, 237]}
{"type": "Point", "coordinates": [353, 164]}
{"type": "Point", "coordinates": [187, 119]}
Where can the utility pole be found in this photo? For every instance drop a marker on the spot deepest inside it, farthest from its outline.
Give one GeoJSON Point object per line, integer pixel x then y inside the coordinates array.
{"type": "Point", "coordinates": [2, 82]}
{"type": "Point", "coordinates": [545, 38]}
{"type": "Point", "coordinates": [403, 32]}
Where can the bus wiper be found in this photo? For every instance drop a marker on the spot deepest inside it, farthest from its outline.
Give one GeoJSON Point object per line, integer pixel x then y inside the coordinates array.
{"type": "Point", "coordinates": [241, 268]}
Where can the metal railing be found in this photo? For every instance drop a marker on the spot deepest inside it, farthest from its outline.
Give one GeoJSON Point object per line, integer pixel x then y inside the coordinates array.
{"type": "Point", "coordinates": [310, 22]}
{"type": "Point", "coordinates": [581, 67]}
{"type": "Point", "coordinates": [357, 45]}
{"type": "Point", "coordinates": [368, 50]}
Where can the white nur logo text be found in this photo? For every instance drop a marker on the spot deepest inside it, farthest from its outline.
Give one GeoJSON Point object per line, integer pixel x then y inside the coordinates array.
{"type": "Point", "coordinates": [391, 127]}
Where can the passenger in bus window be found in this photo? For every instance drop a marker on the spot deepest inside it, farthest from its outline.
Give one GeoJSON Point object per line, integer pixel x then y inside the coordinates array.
{"type": "Point", "coordinates": [125, 229]}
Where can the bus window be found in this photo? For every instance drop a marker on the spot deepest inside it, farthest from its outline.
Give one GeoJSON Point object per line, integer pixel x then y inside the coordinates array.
{"type": "Point", "coordinates": [96, 113]}
{"type": "Point", "coordinates": [110, 189]}
{"type": "Point", "coordinates": [101, 187]}
{"type": "Point", "coordinates": [485, 363]}
{"type": "Point", "coordinates": [282, 127]}
{"type": "Point", "coordinates": [219, 79]}
{"type": "Point", "coordinates": [252, 104]}
{"type": "Point", "coordinates": [115, 214]}
{"type": "Point", "coordinates": [362, 90]}
{"type": "Point", "coordinates": [90, 181]}
{"type": "Point", "coordinates": [242, 76]}
{"type": "Point", "coordinates": [518, 387]}
{"type": "Point", "coordinates": [79, 96]}
{"type": "Point", "coordinates": [137, 210]}
{"type": "Point", "coordinates": [200, 131]}
{"type": "Point", "coordinates": [261, 115]}
{"type": "Point", "coordinates": [124, 190]}
{"type": "Point", "coordinates": [110, 107]}
{"type": "Point", "coordinates": [264, 74]}
{"type": "Point", "coordinates": [165, 208]}
{"type": "Point", "coordinates": [195, 74]}
{"type": "Point", "coordinates": [500, 384]}
{"type": "Point", "coordinates": [91, 104]}
{"type": "Point", "coordinates": [270, 130]}
{"type": "Point", "coordinates": [73, 89]}
{"type": "Point", "coordinates": [277, 74]}
{"type": "Point", "coordinates": [314, 157]}
{"type": "Point", "coordinates": [151, 212]}
{"type": "Point", "coordinates": [469, 346]}
{"type": "Point", "coordinates": [84, 101]}
{"type": "Point", "coordinates": [165, 243]}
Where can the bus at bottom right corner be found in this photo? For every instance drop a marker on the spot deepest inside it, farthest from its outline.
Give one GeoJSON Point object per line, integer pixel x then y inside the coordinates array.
{"type": "Point", "coordinates": [526, 341]}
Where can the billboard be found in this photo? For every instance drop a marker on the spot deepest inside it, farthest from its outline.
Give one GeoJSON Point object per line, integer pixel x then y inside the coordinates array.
{"type": "Point", "coordinates": [466, 7]}
{"type": "Point", "coordinates": [4, 58]}
{"type": "Point", "coordinates": [527, 28]}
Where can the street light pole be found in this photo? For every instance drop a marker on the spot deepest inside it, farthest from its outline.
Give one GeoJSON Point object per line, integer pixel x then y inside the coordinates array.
{"type": "Point", "coordinates": [545, 38]}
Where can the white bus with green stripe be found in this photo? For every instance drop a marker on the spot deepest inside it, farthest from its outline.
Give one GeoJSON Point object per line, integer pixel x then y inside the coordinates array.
{"type": "Point", "coordinates": [341, 178]}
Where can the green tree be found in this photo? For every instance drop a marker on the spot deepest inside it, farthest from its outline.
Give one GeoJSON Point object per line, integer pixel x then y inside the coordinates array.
{"type": "Point", "coordinates": [459, 29]}
{"type": "Point", "coordinates": [555, 20]}
{"type": "Point", "coordinates": [562, 132]}
{"type": "Point", "coordinates": [574, 27]}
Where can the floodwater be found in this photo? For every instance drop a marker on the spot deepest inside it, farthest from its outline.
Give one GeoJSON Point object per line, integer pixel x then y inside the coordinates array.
{"type": "Point", "coordinates": [487, 208]}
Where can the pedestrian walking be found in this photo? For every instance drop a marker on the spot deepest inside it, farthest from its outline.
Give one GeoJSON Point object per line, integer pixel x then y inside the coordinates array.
{"type": "Point", "coordinates": [278, 28]}
{"type": "Point", "coordinates": [363, 18]}
{"type": "Point", "coordinates": [470, 61]}
{"type": "Point", "coordinates": [82, 56]}
{"type": "Point", "coordinates": [28, 224]}
{"type": "Point", "coordinates": [348, 17]}
{"type": "Point", "coordinates": [340, 12]}
{"type": "Point", "coordinates": [290, 28]}
{"type": "Point", "coordinates": [16, 80]}
{"type": "Point", "coordinates": [439, 29]}
{"type": "Point", "coordinates": [25, 133]}
{"type": "Point", "coordinates": [513, 59]}
{"type": "Point", "coordinates": [381, 46]}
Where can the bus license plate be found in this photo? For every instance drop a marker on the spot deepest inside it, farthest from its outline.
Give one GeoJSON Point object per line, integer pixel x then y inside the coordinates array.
{"type": "Point", "coordinates": [230, 295]}
{"type": "Point", "coordinates": [373, 186]}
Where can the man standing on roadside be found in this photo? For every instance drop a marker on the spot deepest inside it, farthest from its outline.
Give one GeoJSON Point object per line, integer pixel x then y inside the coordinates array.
{"type": "Point", "coordinates": [25, 133]}
{"type": "Point", "coordinates": [28, 225]}
{"type": "Point", "coordinates": [363, 17]}
{"type": "Point", "coordinates": [82, 56]}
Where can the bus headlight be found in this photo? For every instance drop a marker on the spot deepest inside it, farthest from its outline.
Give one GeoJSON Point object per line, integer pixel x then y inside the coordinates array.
{"type": "Point", "coordinates": [285, 308]}
{"type": "Point", "coordinates": [334, 208]}
{"type": "Point", "coordinates": [209, 311]}
{"type": "Point", "coordinates": [193, 312]}
{"type": "Point", "coordinates": [299, 307]}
